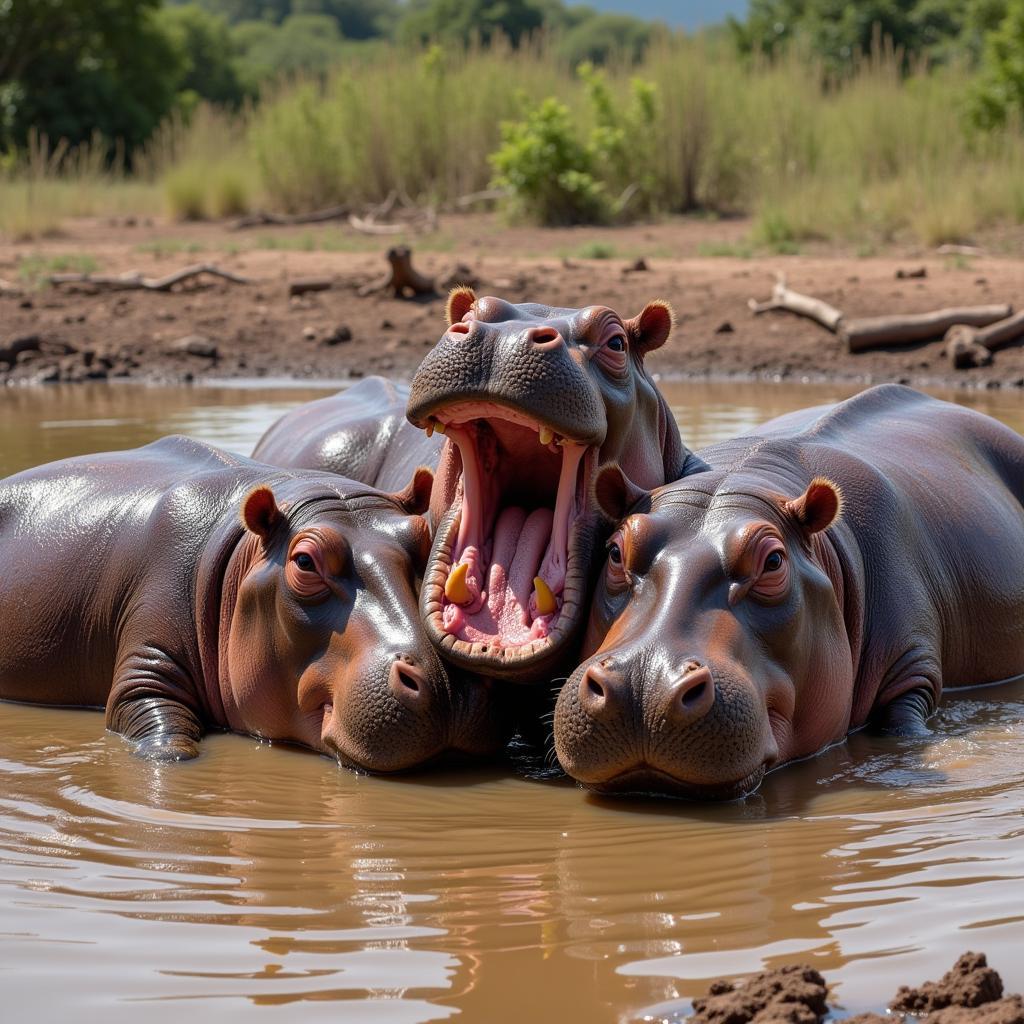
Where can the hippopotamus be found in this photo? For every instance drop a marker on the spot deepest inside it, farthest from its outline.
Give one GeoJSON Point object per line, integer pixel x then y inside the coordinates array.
{"type": "Point", "coordinates": [840, 568]}
{"type": "Point", "coordinates": [532, 400]}
{"type": "Point", "coordinates": [185, 589]}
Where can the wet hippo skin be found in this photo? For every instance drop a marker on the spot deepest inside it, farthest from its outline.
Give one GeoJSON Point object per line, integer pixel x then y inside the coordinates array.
{"type": "Point", "coordinates": [183, 589]}
{"type": "Point", "coordinates": [839, 569]}
{"type": "Point", "coordinates": [532, 401]}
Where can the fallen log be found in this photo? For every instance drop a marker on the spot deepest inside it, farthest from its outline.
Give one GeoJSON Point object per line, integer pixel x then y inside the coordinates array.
{"type": "Point", "coordinates": [904, 329]}
{"type": "Point", "coordinates": [134, 281]}
{"type": "Point", "coordinates": [402, 280]}
{"type": "Point", "coordinates": [263, 219]}
{"type": "Point", "coordinates": [968, 346]}
{"type": "Point", "coordinates": [784, 298]}
{"type": "Point", "coordinates": [309, 284]}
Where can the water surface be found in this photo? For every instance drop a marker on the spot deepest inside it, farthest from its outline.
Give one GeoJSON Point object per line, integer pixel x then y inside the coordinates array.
{"type": "Point", "coordinates": [258, 877]}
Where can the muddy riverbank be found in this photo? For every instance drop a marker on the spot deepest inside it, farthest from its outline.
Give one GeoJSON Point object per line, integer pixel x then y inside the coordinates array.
{"type": "Point", "coordinates": [217, 330]}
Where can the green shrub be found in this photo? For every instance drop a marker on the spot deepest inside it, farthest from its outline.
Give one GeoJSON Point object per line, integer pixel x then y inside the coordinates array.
{"type": "Point", "coordinates": [548, 170]}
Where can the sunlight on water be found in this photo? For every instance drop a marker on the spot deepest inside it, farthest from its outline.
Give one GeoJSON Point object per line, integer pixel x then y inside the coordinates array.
{"type": "Point", "coordinates": [257, 878]}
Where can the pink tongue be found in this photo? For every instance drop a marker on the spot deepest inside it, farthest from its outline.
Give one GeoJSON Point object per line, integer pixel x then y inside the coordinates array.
{"type": "Point", "coordinates": [519, 543]}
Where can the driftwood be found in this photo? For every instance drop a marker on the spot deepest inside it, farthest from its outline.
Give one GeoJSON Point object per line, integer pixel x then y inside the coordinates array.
{"type": "Point", "coordinates": [959, 250]}
{"type": "Point", "coordinates": [865, 333]}
{"type": "Point", "coordinates": [402, 280]}
{"type": "Point", "coordinates": [794, 302]}
{"type": "Point", "coordinates": [133, 280]}
{"type": "Point", "coordinates": [396, 215]}
{"type": "Point", "coordinates": [487, 195]}
{"type": "Point", "coordinates": [310, 284]}
{"type": "Point", "coordinates": [971, 346]}
{"type": "Point", "coordinates": [904, 329]}
{"type": "Point", "coordinates": [32, 343]}
{"type": "Point", "coordinates": [263, 219]}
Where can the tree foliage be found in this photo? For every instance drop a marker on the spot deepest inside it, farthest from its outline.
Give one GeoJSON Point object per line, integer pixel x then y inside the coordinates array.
{"type": "Point", "coordinates": [999, 94]}
{"type": "Point", "coordinates": [461, 20]}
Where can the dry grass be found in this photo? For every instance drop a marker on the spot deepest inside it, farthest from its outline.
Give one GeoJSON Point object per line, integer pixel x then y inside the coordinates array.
{"type": "Point", "coordinates": [878, 159]}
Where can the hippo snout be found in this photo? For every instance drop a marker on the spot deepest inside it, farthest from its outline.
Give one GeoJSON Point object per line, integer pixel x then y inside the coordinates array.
{"type": "Point", "coordinates": [695, 731]}
{"type": "Point", "coordinates": [392, 713]}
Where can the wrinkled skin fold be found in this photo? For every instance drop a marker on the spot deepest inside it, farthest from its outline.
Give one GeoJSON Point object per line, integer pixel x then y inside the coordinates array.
{"type": "Point", "coordinates": [838, 569]}
{"type": "Point", "coordinates": [185, 589]}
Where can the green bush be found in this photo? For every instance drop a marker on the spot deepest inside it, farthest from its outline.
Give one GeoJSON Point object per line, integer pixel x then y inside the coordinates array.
{"type": "Point", "coordinates": [999, 94]}
{"type": "Point", "coordinates": [548, 170]}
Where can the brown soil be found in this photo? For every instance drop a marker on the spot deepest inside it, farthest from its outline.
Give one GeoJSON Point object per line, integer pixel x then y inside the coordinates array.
{"type": "Point", "coordinates": [257, 330]}
{"type": "Point", "coordinates": [970, 993]}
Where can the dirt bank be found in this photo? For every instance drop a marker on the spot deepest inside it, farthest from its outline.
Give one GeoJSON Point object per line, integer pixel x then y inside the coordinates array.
{"type": "Point", "coordinates": [970, 993]}
{"type": "Point", "coordinates": [221, 330]}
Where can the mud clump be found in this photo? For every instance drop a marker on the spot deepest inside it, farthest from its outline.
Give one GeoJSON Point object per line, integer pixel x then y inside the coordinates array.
{"type": "Point", "coordinates": [970, 993]}
{"type": "Point", "coordinates": [970, 983]}
{"type": "Point", "coordinates": [790, 995]}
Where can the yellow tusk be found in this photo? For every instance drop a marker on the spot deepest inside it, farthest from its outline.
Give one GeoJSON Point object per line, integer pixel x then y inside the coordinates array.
{"type": "Point", "coordinates": [456, 589]}
{"type": "Point", "coordinates": [547, 435]}
{"type": "Point", "coordinates": [429, 428]}
{"type": "Point", "coordinates": [439, 426]}
{"type": "Point", "coordinates": [546, 603]}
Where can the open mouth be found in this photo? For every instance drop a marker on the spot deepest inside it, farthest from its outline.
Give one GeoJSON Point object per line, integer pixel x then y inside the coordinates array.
{"type": "Point", "coordinates": [507, 581]}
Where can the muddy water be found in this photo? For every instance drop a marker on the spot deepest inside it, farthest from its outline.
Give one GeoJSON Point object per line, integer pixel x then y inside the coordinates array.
{"type": "Point", "coordinates": [258, 878]}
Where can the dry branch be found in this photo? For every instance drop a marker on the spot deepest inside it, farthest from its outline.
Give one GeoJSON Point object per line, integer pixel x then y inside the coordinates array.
{"type": "Point", "coordinates": [784, 298]}
{"type": "Point", "coordinates": [310, 284]}
{"type": "Point", "coordinates": [133, 280]}
{"type": "Point", "coordinates": [905, 329]}
{"type": "Point", "coordinates": [969, 346]}
{"type": "Point", "coordinates": [262, 219]}
{"type": "Point", "coordinates": [402, 279]}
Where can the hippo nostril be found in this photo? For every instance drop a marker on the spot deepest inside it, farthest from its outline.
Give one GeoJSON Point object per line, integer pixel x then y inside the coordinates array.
{"type": "Point", "coordinates": [691, 695]}
{"type": "Point", "coordinates": [407, 681]}
{"type": "Point", "coordinates": [690, 698]}
{"type": "Point", "coordinates": [598, 691]}
{"type": "Point", "coordinates": [595, 688]}
{"type": "Point", "coordinates": [544, 337]}
{"type": "Point", "coordinates": [459, 327]}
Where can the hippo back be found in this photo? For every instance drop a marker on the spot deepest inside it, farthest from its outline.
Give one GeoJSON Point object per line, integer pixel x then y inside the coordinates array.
{"type": "Point", "coordinates": [360, 433]}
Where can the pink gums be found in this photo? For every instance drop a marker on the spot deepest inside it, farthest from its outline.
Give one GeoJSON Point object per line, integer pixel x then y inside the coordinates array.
{"type": "Point", "coordinates": [505, 549]}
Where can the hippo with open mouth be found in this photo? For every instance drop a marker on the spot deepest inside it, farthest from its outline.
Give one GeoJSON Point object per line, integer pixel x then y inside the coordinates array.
{"type": "Point", "coordinates": [531, 401]}
{"type": "Point", "coordinates": [839, 569]}
{"type": "Point", "coordinates": [183, 589]}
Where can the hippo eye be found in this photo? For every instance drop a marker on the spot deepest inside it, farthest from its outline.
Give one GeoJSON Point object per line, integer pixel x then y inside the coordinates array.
{"type": "Point", "coordinates": [773, 562]}
{"type": "Point", "coordinates": [615, 554]}
{"type": "Point", "coordinates": [617, 344]}
{"type": "Point", "coordinates": [305, 562]}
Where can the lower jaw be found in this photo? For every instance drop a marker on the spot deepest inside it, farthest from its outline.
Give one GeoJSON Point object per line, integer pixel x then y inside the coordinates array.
{"type": "Point", "coordinates": [652, 782]}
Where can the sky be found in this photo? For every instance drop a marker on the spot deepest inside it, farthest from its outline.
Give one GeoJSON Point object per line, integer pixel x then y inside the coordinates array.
{"type": "Point", "coordinates": [688, 14]}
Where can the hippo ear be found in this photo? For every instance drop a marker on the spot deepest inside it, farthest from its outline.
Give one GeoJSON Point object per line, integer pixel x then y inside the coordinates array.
{"type": "Point", "coordinates": [651, 329]}
{"type": "Point", "coordinates": [818, 507]}
{"type": "Point", "coordinates": [260, 513]}
{"type": "Point", "coordinates": [616, 495]}
{"type": "Point", "coordinates": [415, 496]}
{"type": "Point", "coordinates": [460, 302]}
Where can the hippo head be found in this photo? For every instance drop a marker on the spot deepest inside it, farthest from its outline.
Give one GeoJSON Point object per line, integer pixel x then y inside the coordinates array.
{"type": "Point", "coordinates": [716, 647]}
{"type": "Point", "coordinates": [321, 642]}
{"type": "Point", "coordinates": [533, 401]}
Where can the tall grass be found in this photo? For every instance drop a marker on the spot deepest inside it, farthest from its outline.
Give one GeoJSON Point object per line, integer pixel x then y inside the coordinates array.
{"type": "Point", "coordinates": [878, 157]}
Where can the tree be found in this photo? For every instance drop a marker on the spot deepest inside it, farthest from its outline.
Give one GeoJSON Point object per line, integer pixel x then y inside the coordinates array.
{"type": "Point", "coordinates": [460, 20]}
{"type": "Point", "coordinates": [308, 43]}
{"type": "Point", "coordinates": [999, 94]}
{"type": "Point", "coordinates": [71, 68]}
{"type": "Point", "coordinates": [597, 38]}
{"type": "Point", "coordinates": [205, 51]}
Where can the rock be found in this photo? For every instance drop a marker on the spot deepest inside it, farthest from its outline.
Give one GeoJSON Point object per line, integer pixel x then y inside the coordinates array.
{"type": "Point", "coordinates": [970, 982]}
{"type": "Point", "coordinates": [1003, 1011]}
{"type": "Point", "coordinates": [309, 333]}
{"type": "Point", "coordinates": [338, 336]}
{"type": "Point", "coordinates": [875, 1018]}
{"type": "Point", "coordinates": [386, 325]}
{"type": "Point", "coordinates": [47, 375]}
{"type": "Point", "coordinates": [795, 994]}
{"type": "Point", "coordinates": [193, 345]}
{"type": "Point", "coordinates": [725, 328]}
{"type": "Point", "coordinates": [903, 274]}
{"type": "Point", "coordinates": [638, 266]}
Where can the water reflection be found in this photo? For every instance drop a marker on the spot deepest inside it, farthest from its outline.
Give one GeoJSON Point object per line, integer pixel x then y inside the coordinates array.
{"type": "Point", "coordinates": [258, 877]}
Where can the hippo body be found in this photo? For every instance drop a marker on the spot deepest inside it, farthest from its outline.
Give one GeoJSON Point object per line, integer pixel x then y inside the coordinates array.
{"type": "Point", "coordinates": [183, 588]}
{"type": "Point", "coordinates": [840, 568]}
{"type": "Point", "coordinates": [533, 401]}
{"type": "Point", "coordinates": [361, 433]}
